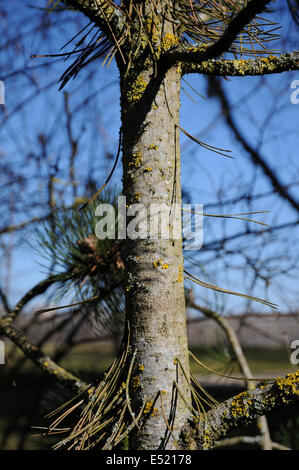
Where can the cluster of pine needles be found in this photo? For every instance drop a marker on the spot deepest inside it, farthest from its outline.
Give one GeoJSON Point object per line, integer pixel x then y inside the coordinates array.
{"type": "Point", "coordinates": [196, 23]}
{"type": "Point", "coordinates": [101, 416]}
{"type": "Point", "coordinates": [102, 413]}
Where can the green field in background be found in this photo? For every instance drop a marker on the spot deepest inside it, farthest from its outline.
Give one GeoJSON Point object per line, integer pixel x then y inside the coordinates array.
{"type": "Point", "coordinates": [90, 362]}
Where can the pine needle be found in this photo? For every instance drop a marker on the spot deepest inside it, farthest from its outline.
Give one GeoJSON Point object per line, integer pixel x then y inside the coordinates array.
{"type": "Point", "coordinates": [232, 216]}
{"type": "Point", "coordinates": [217, 150]}
{"type": "Point", "coordinates": [226, 291]}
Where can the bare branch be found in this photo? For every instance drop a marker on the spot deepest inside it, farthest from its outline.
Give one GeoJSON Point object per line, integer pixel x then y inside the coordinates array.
{"type": "Point", "coordinates": [44, 363]}
{"type": "Point", "coordinates": [21, 225]}
{"type": "Point", "coordinates": [38, 289]}
{"type": "Point", "coordinates": [215, 244]}
{"type": "Point", "coordinates": [264, 438]}
{"type": "Point", "coordinates": [254, 155]}
{"type": "Point", "coordinates": [236, 441]}
{"type": "Point", "coordinates": [240, 68]}
{"type": "Point", "coordinates": [4, 301]}
{"type": "Point", "coordinates": [13, 228]}
{"type": "Point", "coordinates": [231, 336]}
{"type": "Point", "coordinates": [249, 440]}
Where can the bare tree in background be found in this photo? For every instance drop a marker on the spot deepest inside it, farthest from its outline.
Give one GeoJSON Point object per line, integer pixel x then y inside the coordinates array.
{"type": "Point", "coordinates": [149, 389]}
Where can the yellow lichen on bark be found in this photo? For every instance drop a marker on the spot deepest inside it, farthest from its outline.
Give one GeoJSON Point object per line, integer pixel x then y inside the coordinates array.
{"type": "Point", "coordinates": [240, 406]}
{"type": "Point", "coordinates": [137, 89]}
{"type": "Point", "coordinates": [169, 40]}
{"type": "Point", "coordinates": [136, 160]}
{"type": "Point", "coordinates": [180, 277]}
{"type": "Point", "coordinates": [288, 386]}
{"type": "Point", "coordinates": [160, 263]}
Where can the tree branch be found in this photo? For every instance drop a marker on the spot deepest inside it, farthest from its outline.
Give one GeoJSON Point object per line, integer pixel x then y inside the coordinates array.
{"type": "Point", "coordinates": [38, 289]}
{"type": "Point", "coordinates": [264, 438]}
{"type": "Point", "coordinates": [12, 228]}
{"type": "Point", "coordinates": [100, 12]}
{"type": "Point", "coordinates": [246, 407]}
{"type": "Point", "coordinates": [249, 440]}
{"type": "Point", "coordinates": [236, 441]}
{"type": "Point", "coordinates": [4, 301]}
{"type": "Point", "coordinates": [217, 244]}
{"type": "Point", "coordinates": [20, 226]}
{"type": "Point", "coordinates": [186, 54]}
{"type": "Point", "coordinates": [44, 363]}
{"type": "Point", "coordinates": [231, 336]}
{"type": "Point", "coordinates": [255, 156]}
{"type": "Point", "coordinates": [240, 68]}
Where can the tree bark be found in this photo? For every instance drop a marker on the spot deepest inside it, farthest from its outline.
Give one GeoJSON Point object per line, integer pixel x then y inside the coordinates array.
{"type": "Point", "coordinates": [155, 302]}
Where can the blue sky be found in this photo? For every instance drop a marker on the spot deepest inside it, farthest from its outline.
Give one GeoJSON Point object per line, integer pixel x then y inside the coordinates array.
{"type": "Point", "coordinates": [263, 111]}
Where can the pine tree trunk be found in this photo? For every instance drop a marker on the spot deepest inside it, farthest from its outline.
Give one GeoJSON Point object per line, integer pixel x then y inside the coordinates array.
{"type": "Point", "coordinates": [155, 302]}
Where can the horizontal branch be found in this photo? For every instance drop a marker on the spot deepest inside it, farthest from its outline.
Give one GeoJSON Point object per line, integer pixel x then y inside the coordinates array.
{"type": "Point", "coordinates": [15, 227]}
{"type": "Point", "coordinates": [248, 440]}
{"type": "Point", "coordinates": [246, 407]}
{"type": "Point", "coordinates": [218, 244]}
{"type": "Point", "coordinates": [240, 68]}
{"type": "Point", "coordinates": [238, 440]}
{"type": "Point", "coordinates": [43, 362]}
{"type": "Point", "coordinates": [42, 218]}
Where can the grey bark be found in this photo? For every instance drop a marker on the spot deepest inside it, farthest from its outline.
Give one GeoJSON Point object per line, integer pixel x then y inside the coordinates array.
{"type": "Point", "coordinates": [155, 301]}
